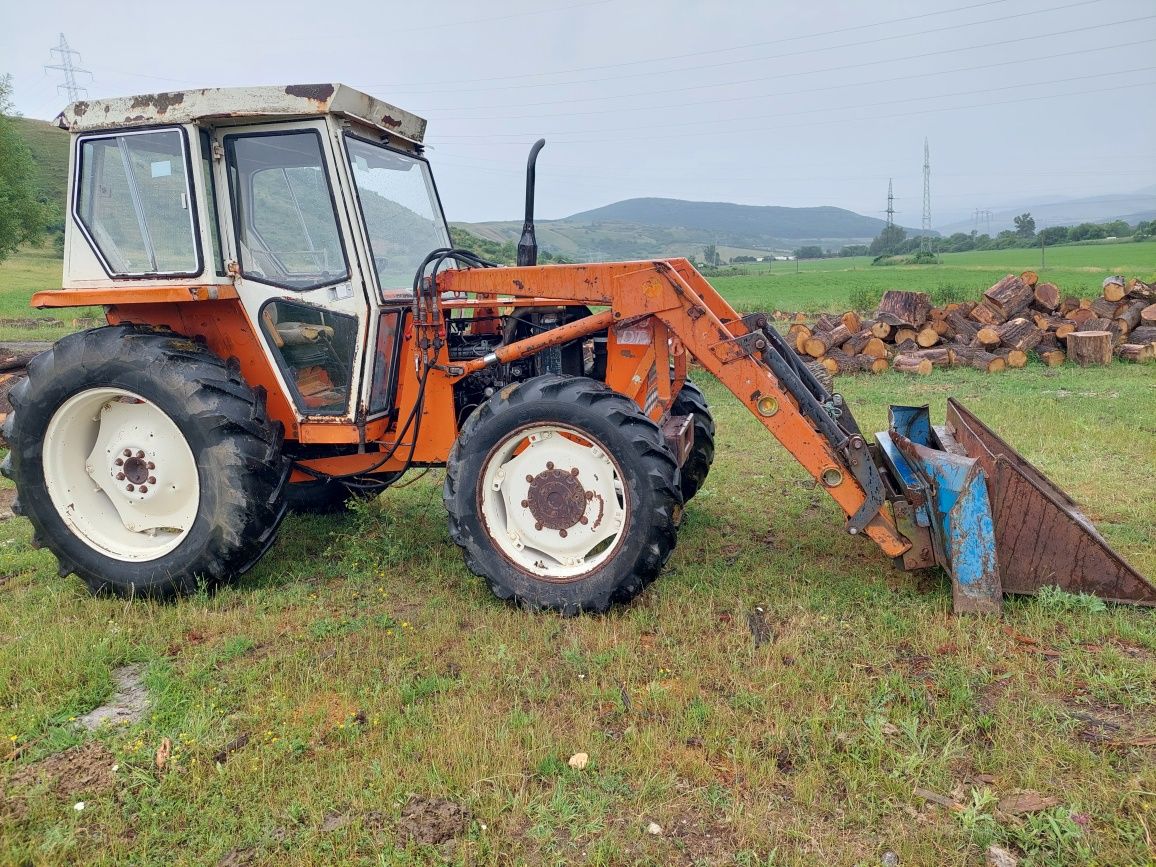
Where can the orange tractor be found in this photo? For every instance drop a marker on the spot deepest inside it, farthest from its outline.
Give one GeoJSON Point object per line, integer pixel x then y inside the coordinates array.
{"type": "Point", "coordinates": [290, 326]}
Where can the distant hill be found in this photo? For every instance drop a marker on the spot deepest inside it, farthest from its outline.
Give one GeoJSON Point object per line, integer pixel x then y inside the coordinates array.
{"type": "Point", "coordinates": [737, 221]}
{"type": "Point", "coordinates": [1130, 207]}
{"type": "Point", "coordinates": [49, 146]}
{"type": "Point", "coordinates": [637, 228]}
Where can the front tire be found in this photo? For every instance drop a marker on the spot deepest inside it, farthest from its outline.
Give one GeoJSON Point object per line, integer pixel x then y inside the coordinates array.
{"type": "Point", "coordinates": [144, 462]}
{"type": "Point", "coordinates": [691, 401]}
{"type": "Point", "coordinates": [562, 495]}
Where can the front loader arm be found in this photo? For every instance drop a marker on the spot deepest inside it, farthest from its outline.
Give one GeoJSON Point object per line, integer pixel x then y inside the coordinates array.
{"type": "Point", "coordinates": [745, 354]}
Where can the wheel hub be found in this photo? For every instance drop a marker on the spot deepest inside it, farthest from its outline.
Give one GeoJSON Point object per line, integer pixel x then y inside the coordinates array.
{"type": "Point", "coordinates": [133, 470]}
{"type": "Point", "coordinates": [557, 499]}
{"type": "Point", "coordinates": [552, 499]}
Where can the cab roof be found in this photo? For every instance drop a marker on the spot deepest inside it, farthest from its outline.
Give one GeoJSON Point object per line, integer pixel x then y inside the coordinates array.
{"type": "Point", "coordinates": [238, 103]}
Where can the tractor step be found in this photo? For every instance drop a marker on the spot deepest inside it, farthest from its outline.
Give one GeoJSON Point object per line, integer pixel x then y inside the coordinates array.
{"type": "Point", "coordinates": [996, 523]}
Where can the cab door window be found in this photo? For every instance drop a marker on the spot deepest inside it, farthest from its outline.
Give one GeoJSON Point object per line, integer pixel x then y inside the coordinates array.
{"type": "Point", "coordinates": [285, 215]}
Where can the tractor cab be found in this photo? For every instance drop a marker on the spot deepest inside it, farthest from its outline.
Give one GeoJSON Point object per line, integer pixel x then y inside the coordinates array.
{"type": "Point", "coordinates": [312, 203]}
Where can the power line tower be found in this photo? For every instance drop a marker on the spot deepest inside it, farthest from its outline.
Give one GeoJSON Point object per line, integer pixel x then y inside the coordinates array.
{"type": "Point", "coordinates": [70, 70]}
{"type": "Point", "coordinates": [890, 205]}
{"type": "Point", "coordinates": [925, 238]}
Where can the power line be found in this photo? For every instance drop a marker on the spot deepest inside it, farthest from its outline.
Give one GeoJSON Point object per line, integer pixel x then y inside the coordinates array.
{"type": "Point", "coordinates": [825, 109]}
{"type": "Point", "coordinates": [905, 114]}
{"type": "Point", "coordinates": [921, 74]}
{"type": "Point", "coordinates": [809, 52]}
{"type": "Point", "coordinates": [66, 66]}
{"type": "Point", "coordinates": [1018, 41]}
{"type": "Point", "coordinates": [901, 20]}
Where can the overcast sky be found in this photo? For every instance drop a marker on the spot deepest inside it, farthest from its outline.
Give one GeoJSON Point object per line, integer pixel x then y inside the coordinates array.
{"type": "Point", "coordinates": [783, 103]}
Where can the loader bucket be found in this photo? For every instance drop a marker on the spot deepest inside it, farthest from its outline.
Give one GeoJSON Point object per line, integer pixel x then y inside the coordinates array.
{"type": "Point", "coordinates": [996, 523]}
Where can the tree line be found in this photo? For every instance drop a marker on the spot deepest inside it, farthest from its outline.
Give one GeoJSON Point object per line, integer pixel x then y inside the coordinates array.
{"type": "Point", "coordinates": [893, 240]}
{"type": "Point", "coordinates": [23, 215]}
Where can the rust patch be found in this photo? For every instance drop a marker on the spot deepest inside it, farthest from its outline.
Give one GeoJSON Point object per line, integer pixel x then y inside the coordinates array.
{"type": "Point", "coordinates": [318, 92]}
{"type": "Point", "coordinates": [391, 122]}
{"type": "Point", "coordinates": [601, 512]}
{"type": "Point", "coordinates": [80, 109]}
{"type": "Point", "coordinates": [162, 102]}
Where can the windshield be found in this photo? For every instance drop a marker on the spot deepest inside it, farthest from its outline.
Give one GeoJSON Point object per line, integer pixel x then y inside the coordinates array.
{"type": "Point", "coordinates": [402, 216]}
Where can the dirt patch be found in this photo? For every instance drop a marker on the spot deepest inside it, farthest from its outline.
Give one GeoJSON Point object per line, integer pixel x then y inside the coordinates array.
{"type": "Point", "coordinates": [238, 857]}
{"type": "Point", "coordinates": [127, 705]}
{"type": "Point", "coordinates": [432, 821]}
{"type": "Point", "coordinates": [7, 498]}
{"type": "Point", "coordinates": [83, 770]}
{"type": "Point", "coordinates": [700, 841]}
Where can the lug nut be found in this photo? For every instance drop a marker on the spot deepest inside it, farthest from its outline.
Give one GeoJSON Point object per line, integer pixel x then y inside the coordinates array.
{"type": "Point", "coordinates": [151, 465]}
{"type": "Point", "coordinates": [573, 471]}
{"type": "Point", "coordinates": [562, 533]}
{"type": "Point", "coordinates": [538, 526]}
{"type": "Point", "coordinates": [549, 465]}
{"type": "Point", "coordinates": [525, 504]}
{"type": "Point", "coordinates": [144, 489]}
{"type": "Point", "coordinates": [529, 478]}
{"type": "Point", "coordinates": [583, 520]}
{"type": "Point", "coordinates": [120, 477]}
{"type": "Point", "coordinates": [140, 454]}
{"type": "Point", "coordinates": [152, 480]}
{"type": "Point", "coordinates": [119, 462]}
{"type": "Point", "coordinates": [589, 495]}
{"type": "Point", "coordinates": [129, 487]}
{"type": "Point", "coordinates": [128, 453]}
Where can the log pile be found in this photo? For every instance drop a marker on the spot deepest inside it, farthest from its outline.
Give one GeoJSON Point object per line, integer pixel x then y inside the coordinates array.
{"type": "Point", "coordinates": [1016, 320]}
{"type": "Point", "coordinates": [12, 367]}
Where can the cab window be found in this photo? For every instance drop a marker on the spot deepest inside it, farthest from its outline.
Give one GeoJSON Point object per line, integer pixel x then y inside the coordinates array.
{"type": "Point", "coordinates": [134, 203]}
{"type": "Point", "coordinates": [287, 229]}
{"type": "Point", "coordinates": [399, 208]}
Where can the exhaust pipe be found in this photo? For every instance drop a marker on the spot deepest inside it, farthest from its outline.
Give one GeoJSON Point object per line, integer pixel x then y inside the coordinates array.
{"type": "Point", "coordinates": [528, 243]}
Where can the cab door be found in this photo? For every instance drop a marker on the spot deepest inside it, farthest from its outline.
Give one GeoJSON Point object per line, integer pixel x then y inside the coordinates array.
{"type": "Point", "coordinates": [297, 270]}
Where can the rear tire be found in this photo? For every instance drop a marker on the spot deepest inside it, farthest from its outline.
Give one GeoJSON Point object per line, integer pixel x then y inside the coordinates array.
{"type": "Point", "coordinates": [110, 407]}
{"type": "Point", "coordinates": [562, 495]}
{"type": "Point", "coordinates": [691, 401]}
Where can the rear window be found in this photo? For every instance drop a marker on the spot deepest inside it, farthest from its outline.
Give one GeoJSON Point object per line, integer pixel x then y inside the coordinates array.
{"type": "Point", "coordinates": [134, 202]}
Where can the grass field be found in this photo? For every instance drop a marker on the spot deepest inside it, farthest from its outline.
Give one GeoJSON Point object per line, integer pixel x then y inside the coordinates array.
{"type": "Point", "coordinates": [369, 671]}
{"type": "Point", "coordinates": [825, 284]}
{"type": "Point", "coordinates": [30, 270]}
{"type": "Point", "coordinates": [828, 284]}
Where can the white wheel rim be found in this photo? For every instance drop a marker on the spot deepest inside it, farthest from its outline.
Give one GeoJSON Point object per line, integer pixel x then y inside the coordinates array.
{"type": "Point", "coordinates": [553, 501]}
{"type": "Point", "coordinates": [120, 474]}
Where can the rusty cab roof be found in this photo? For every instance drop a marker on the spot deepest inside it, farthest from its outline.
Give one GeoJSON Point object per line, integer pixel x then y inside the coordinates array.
{"type": "Point", "coordinates": [240, 103]}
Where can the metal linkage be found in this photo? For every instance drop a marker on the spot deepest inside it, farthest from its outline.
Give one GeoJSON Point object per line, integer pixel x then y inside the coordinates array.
{"type": "Point", "coordinates": [830, 415]}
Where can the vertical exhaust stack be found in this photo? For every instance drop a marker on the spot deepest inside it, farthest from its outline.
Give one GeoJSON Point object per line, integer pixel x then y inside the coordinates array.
{"type": "Point", "coordinates": [528, 243]}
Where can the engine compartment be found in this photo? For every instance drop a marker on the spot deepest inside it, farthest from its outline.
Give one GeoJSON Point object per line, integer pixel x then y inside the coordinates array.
{"type": "Point", "coordinates": [471, 337]}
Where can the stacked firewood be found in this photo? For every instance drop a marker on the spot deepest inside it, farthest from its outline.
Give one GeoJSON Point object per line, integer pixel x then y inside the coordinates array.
{"type": "Point", "coordinates": [1017, 318]}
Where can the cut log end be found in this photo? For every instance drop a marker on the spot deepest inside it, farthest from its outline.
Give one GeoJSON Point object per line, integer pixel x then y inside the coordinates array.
{"type": "Point", "coordinates": [912, 363]}
{"type": "Point", "coordinates": [1090, 347]}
